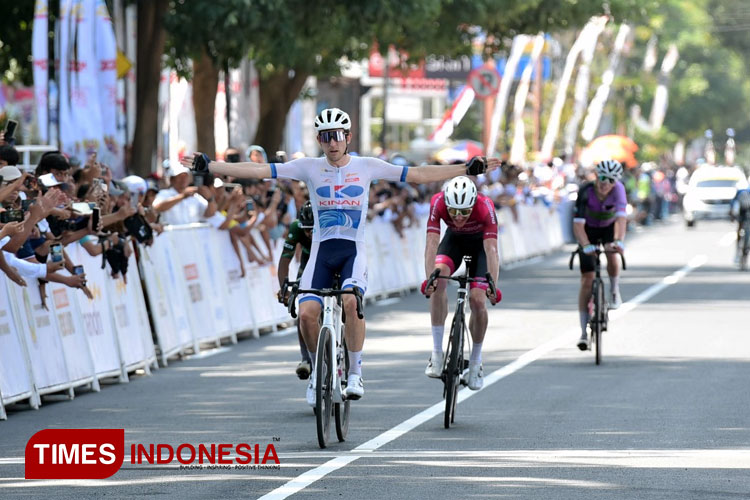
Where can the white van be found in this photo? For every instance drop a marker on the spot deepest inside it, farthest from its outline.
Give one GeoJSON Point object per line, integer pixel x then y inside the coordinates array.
{"type": "Point", "coordinates": [710, 191]}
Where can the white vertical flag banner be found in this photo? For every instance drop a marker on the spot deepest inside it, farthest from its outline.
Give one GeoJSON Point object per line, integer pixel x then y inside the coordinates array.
{"type": "Point", "coordinates": [106, 56]}
{"type": "Point", "coordinates": [40, 59]}
{"type": "Point", "coordinates": [659, 109]}
{"type": "Point", "coordinates": [596, 107]}
{"type": "Point", "coordinates": [509, 72]}
{"type": "Point", "coordinates": [518, 149]}
{"type": "Point", "coordinates": [65, 58]}
{"type": "Point", "coordinates": [553, 124]}
{"type": "Point", "coordinates": [581, 93]}
{"type": "Point", "coordinates": [84, 83]}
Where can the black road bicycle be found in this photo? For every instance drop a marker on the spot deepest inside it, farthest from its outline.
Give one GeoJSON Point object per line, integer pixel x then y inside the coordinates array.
{"type": "Point", "coordinates": [598, 305]}
{"type": "Point", "coordinates": [454, 362]}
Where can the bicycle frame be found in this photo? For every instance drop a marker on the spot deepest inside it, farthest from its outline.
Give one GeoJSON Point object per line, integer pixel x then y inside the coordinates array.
{"type": "Point", "coordinates": [332, 353]}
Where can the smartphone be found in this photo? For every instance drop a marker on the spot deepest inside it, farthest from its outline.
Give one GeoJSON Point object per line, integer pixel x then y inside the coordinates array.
{"type": "Point", "coordinates": [95, 218]}
{"type": "Point", "coordinates": [10, 131]}
{"type": "Point", "coordinates": [11, 215]}
{"type": "Point", "coordinates": [77, 270]}
{"type": "Point", "coordinates": [229, 186]}
{"type": "Point", "coordinates": [134, 198]}
{"type": "Point", "coordinates": [249, 205]}
{"type": "Point", "coordinates": [82, 208]}
{"type": "Point", "coordinates": [56, 252]}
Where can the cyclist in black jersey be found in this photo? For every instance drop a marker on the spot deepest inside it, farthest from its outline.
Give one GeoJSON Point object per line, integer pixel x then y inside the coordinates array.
{"type": "Point", "coordinates": [300, 233]}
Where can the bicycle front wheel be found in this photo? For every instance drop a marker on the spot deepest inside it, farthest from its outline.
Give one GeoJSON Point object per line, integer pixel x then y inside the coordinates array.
{"type": "Point", "coordinates": [452, 372]}
{"type": "Point", "coordinates": [599, 319]}
{"type": "Point", "coordinates": [341, 410]}
{"type": "Point", "coordinates": [323, 387]}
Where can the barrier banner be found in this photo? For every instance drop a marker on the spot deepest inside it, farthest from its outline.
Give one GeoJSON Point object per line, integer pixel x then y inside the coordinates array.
{"type": "Point", "coordinates": [15, 374]}
{"type": "Point", "coordinates": [72, 333]}
{"type": "Point", "coordinates": [127, 326]}
{"type": "Point", "coordinates": [97, 319]}
{"type": "Point", "coordinates": [138, 306]}
{"type": "Point", "coordinates": [205, 244]}
{"type": "Point", "coordinates": [41, 338]}
{"type": "Point", "coordinates": [192, 276]}
{"type": "Point", "coordinates": [259, 281]}
{"type": "Point", "coordinates": [164, 296]}
{"type": "Point", "coordinates": [237, 291]}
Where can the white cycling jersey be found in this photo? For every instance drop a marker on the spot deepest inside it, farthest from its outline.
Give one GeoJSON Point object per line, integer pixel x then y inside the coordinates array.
{"type": "Point", "coordinates": [339, 195]}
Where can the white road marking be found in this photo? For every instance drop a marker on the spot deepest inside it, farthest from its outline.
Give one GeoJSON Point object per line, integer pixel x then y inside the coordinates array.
{"type": "Point", "coordinates": [300, 482]}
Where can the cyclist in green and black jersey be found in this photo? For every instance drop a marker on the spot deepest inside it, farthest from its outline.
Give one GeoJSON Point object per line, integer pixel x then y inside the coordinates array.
{"type": "Point", "coordinates": [300, 233]}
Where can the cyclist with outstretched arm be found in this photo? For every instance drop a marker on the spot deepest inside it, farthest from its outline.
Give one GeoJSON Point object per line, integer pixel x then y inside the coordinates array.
{"type": "Point", "coordinates": [339, 186]}
{"type": "Point", "coordinates": [600, 217]}
{"type": "Point", "coordinates": [472, 231]}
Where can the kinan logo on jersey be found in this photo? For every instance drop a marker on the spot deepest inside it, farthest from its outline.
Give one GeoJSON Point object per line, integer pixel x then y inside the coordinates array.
{"type": "Point", "coordinates": [340, 195]}
{"type": "Point", "coordinates": [99, 454]}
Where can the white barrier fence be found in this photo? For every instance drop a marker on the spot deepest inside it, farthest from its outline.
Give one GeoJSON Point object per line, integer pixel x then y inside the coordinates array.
{"type": "Point", "coordinates": [196, 295]}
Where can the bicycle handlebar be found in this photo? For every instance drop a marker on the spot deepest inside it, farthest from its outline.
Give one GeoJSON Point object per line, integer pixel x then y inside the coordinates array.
{"type": "Point", "coordinates": [599, 251]}
{"type": "Point", "coordinates": [325, 292]}
{"type": "Point", "coordinates": [487, 279]}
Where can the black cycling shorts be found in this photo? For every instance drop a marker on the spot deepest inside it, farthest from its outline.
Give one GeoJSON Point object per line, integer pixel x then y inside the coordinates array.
{"type": "Point", "coordinates": [455, 246]}
{"type": "Point", "coordinates": [595, 235]}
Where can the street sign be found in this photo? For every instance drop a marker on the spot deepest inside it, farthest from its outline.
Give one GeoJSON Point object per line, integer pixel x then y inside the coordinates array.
{"type": "Point", "coordinates": [484, 81]}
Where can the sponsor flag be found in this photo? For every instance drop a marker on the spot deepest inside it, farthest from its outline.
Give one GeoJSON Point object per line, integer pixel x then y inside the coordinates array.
{"type": "Point", "coordinates": [40, 58]}
{"type": "Point", "coordinates": [516, 50]}
{"type": "Point", "coordinates": [454, 116]}
{"type": "Point", "coordinates": [518, 148]}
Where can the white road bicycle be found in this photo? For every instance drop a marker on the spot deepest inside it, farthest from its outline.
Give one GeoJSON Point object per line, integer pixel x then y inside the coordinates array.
{"type": "Point", "coordinates": [332, 359]}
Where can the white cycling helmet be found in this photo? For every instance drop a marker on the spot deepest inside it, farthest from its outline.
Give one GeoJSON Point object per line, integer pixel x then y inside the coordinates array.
{"type": "Point", "coordinates": [609, 168]}
{"type": "Point", "coordinates": [332, 119]}
{"type": "Point", "coordinates": [460, 192]}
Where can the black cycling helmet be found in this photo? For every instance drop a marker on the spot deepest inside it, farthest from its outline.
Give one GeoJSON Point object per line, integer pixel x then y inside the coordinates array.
{"type": "Point", "coordinates": [305, 216]}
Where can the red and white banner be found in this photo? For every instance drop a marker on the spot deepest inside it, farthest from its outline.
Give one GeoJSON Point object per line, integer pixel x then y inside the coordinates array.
{"type": "Point", "coordinates": [453, 116]}
{"type": "Point", "coordinates": [40, 61]}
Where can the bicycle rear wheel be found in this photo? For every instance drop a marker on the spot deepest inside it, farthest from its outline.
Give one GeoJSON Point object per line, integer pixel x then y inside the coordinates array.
{"type": "Point", "coordinates": [599, 318]}
{"type": "Point", "coordinates": [745, 246]}
{"type": "Point", "coordinates": [323, 387]}
{"type": "Point", "coordinates": [452, 372]}
{"type": "Point", "coordinates": [341, 410]}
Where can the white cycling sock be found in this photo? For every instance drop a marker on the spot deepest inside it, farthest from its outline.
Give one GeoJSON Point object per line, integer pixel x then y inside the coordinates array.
{"type": "Point", "coordinates": [614, 284]}
{"type": "Point", "coordinates": [584, 316]}
{"type": "Point", "coordinates": [312, 359]}
{"type": "Point", "coordinates": [476, 353]}
{"type": "Point", "coordinates": [355, 363]}
{"type": "Point", "coordinates": [437, 338]}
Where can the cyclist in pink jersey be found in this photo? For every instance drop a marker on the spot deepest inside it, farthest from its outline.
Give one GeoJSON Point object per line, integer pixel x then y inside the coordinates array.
{"type": "Point", "coordinates": [471, 230]}
{"type": "Point", "coordinates": [338, 184]}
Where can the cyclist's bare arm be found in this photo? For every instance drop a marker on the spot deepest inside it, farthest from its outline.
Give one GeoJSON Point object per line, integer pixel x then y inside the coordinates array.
{"type": "Point", "coordinates": [430, 252]}
{"type": "Point", "coordinates": [245, 170]}
{"type": "Point", "coordinates": [493, 259]}
{"type": "Point", "coordinates": [435, 173]}
{"type": "Point", "coordinates": [579, 231]}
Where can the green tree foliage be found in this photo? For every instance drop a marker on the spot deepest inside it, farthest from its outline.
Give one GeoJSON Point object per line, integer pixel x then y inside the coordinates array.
{"type": "Point", "coordinates": [16, 22]}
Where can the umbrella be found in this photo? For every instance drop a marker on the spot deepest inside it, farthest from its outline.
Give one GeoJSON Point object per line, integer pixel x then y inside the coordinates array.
{"type": "Point", "coordinates": [610, 147]}
{"type": "Point", "coordinates": [460, 151]}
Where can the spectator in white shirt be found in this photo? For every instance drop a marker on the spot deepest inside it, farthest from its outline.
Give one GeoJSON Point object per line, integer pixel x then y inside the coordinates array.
{"type": "Point", "coordinates": [184, 204]}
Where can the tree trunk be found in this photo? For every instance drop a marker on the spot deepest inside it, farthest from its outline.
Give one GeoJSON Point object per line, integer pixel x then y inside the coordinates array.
{"type": "Point", "coordinates": [277, 94]}
{"type": "Point", "coordinates": [205, 82]}
{"type": "Point", "coordinates": [151, 37]}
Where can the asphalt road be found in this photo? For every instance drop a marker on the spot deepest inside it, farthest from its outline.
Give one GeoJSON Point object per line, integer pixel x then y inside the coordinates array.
{"type": "Point", "coordinates": [665, 416]}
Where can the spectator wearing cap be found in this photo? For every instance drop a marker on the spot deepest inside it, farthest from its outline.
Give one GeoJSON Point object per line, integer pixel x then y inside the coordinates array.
{"type": "Point", "coordinates": [184, 204]}
{"type": "Point", "coordinates": [11, 184]}
{"type": "Point", "coordinates": [256, 154]}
